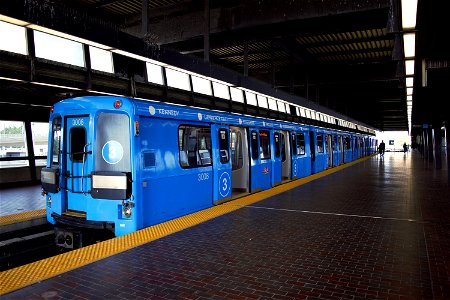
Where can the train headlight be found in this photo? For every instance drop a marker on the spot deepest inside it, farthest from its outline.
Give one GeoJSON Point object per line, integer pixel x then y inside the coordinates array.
{"type": "Point", "coordinates": [49, 201]}
{"type": "Point", "coordinates": [127, 211]}
{"type": "Point", "coordinates": [127, 208]}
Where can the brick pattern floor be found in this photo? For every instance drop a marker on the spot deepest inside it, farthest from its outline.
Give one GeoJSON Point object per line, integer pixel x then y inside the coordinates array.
{"type": "Point", "coordinates": [377, 230]}
{"type": "Point", "coordinates": [17, 200]}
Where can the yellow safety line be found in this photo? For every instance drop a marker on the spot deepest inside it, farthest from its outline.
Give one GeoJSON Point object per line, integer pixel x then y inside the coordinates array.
{"type": "Point", "coordinates": [22, 217]}
{"type": "Point", "coordinates": [40, 270]}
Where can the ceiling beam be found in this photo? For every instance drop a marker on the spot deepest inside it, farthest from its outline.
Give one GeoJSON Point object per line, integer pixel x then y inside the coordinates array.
{"type": "Point", "coordinates": [269, 19]}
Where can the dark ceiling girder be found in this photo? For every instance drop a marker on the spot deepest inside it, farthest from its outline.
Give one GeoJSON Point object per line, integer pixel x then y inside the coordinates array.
{"type": "Point", "coordinates": [269, 15]}
{"type": "Point", "coordinates": [103, 3]}
{"type": "Point", "coordinates": [225, 36]}
{"type": "Point", "coordinates": [386, 38]}
{"type": "Point", "coordinates": [357, 51]}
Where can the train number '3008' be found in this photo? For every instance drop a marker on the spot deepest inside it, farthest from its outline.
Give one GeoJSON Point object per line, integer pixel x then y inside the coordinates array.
{"type": "Point", "coordinates": [203, 176]}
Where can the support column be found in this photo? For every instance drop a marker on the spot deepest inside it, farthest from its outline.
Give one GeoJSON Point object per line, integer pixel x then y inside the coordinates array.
{"type": "Point", "coordinates": [425, 143]}
{"type": "Point", "coordinates": [30, 150]}
{"type": "Point", "coordinates": [292, 74]}
{"type": "Point", "coordinates": [144, 21]}
{"type": "Point", "coordinates": [246, 58]}
{"type": "Point", "coordinates": [430, 144]}
{"type": "Point", "coordinates": [87, 62]}
{"type": "Point", "coordinates": [272, 62]}
{"type": "Point", "coordinates": [31, 52]}
{"type": "Point", "coordinates": [307, 87]}
{"type": "Point", "coordinates": [437, 146]}
{"type": "Point", "coordinates": [447, 139]}
{"type": "Point", "coordinates": [206, 34]}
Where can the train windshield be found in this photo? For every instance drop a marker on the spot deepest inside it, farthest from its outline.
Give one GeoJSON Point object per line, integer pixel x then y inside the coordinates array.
{"type": "Point", "coordinates": [113, 143]}
{"type": "Point", "coordinates": [56, 140]}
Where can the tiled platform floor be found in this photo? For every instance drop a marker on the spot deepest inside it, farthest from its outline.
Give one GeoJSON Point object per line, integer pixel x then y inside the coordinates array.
{"type": "Point", "coordinates": [377, 230]}
{"type": "Point", "coordinates": [18, 200]}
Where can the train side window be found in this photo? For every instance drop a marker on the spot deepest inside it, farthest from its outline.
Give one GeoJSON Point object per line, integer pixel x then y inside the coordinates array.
{"type": "Point", "coordinates": [276, 136]}
{"type": "Point", "coordinates": [294, 144]}
{"type": "Point", "coordinates": [56, 140]}
{"type": "Point", "coordinates": [348, 145]}
{"type": "Point", "coordinates": [264, 142]}
{"type": "Point", "coordinates": [333, 144]}
{"type": "Point", "coordinates": [254, 142]}
{"type": "Point", "coordinates": [194, 144]}
{"type": "Point", "coordinates": [223, 146]}
{"type": "Point", "coordinates": [77, 143]}
{"type": "Point", "coordinates": [237, 159]}
{"type": "Point", "coordinates": [320, 143]}
{"type": "Point", "coordinates": [301, 143]}
{"type": "Point", "coordinates": [283, 148]}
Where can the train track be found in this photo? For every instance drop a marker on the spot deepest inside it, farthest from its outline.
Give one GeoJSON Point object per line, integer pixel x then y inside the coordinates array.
{"type": "Point", "coordinates": [27, 245]}
{"type": "Point", "coordinates": [35, 243]}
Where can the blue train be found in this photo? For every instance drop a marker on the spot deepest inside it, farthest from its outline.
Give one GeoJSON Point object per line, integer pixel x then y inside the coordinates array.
{"type": "Point", "coordinates": [124, 164]}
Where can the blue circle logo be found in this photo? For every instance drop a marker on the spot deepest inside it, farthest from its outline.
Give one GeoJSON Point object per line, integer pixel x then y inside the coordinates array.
{"type": "Point", "coordinates": [112, 152]}
{"type": "Point", "coordinates": [224, 184]}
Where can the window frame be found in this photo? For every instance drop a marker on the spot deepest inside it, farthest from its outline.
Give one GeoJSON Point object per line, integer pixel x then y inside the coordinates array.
{"type": "Point", "coordinates": [264, 155]}
{"type": "Point", "coordinates": [299, 140]}
{"type": "Point", "coordinates": [181, 148]}
{"type": "Point", "coordinates": [71, 137]}
{"type": "Point", "coordinates": [320, 146]}
{"type": "Point", "coordinates": [277, 144]}
{"type": "Point", "coordinates": [52, 151]}
{"type": "Point", "coordinates": [254, 142]}
{"type": "Point", "coordinates": [224, 143]}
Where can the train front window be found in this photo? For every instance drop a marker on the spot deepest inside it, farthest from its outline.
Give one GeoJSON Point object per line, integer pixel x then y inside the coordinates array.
{"type": "Point", "coordinates": [113, 153]}
{"type": "Point", "coordinates": [56, 140]}
{"type": "Point", "coordinates": [77, 142]}
{"type": "Point", "coordinates": [264, 141]}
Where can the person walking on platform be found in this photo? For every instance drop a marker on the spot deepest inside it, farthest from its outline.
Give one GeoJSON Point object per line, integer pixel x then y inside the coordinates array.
{"type": "Point", "coordinates": [381, 148]}
{"type": "Point", "coordinates": [405, 148]}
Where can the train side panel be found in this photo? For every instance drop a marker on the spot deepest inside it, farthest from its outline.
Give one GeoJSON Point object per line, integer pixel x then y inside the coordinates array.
{"type": "Point", "coordinates": [176, 180]}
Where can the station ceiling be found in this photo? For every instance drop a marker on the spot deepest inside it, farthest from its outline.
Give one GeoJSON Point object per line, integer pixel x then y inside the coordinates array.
{"type": "Point", "coordinates": [346, 55]}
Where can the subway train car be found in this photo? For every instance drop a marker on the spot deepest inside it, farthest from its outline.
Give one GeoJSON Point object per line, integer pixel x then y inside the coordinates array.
{"type": "Point", "coordinates": [124, 164]}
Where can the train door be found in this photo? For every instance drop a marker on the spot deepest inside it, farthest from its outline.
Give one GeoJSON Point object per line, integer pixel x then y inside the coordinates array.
{"type": "Point", "coordinates": [301, 166]}
{"type": "Point", "coordinates": [341, 149]}
{"type": "Point", "coordinates": [286, 158]}
{"type": "Point", "coordinates": [335, 147]}
{"type": "Point", "coordinates": [276, 158]}
{"type": "Point", "coordinates": [363, 147]}
{"type": "Point", "coordinates": [260, 162]}
{"type": "Point", "coordinates": [329, 150]}
{"type": "Point", "coordinates": [240, 161]}
{"type": "Point", "coordinates": [312, 147]}
{"type": "Point", "coordinates": [222, 187]}
{"type": "Point", "coordinates": [76, 161]}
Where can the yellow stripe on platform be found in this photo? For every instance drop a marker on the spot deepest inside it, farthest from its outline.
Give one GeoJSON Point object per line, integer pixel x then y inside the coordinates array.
{"type": "Point", "coordinates": [22, 217]}
{"type": "Point", "coordinates": [34, 272]}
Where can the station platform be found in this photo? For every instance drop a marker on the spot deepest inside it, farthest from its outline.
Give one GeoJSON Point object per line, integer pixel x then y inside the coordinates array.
{"type": "Point", "coordinates": [21, 207]}
{"type": "Point", "coordinates": [21, 199]}
{"type": "Point", "coordinates": [374, 229]}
